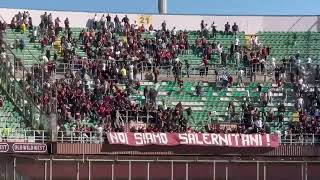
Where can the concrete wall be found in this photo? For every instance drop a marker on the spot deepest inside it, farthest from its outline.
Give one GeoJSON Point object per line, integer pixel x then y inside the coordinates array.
{"type": "Point", "coordinates": [289, 23]}
{"type": "Point", "coordinates": [249, 24]}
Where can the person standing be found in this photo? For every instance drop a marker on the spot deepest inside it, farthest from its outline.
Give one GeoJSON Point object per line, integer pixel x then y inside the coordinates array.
{"type": "Point", "coordinates": [146, 92]}
{"type": "Point", "coordinates": [224, 57]}
{"type": "Point", "coordinates": [164, 26]}
{"type": "Point", "coordinates": [23, 28]}
{"type": "Point", "coordinates": [236, 44]}
{"type": "Point", "coordinates": [102, 22]}
{"type": "Point", "coordinates": [240, 74]}
{"type": "Point", "coordinates": [199, 90]}
{"type": "Point", "coordinates": [21, 44]}
{"type": "Point", "coordinates": [95, 21]}
{"type": "Point", "coordinates": [227, 29]}
{"type": "Point", "coordinates": [189, 113]}
{"type": "Point", "coordinates": [235, 29]}
{"type": "Point", "coordinates": [187, 69]}
{"type": "Point", "coordinates": [66, 24]}
{"type": "Point", "coordinates": [232, 49]}
{"type": "Point", "coordinates": [117, 23]}
{"type": "Point", "coordinates": [6, 133]}
{"type": "Point", "coordinates": [108, 18]}
{"type": "Point", "coordinates": [214, 29]}
{"type": "Point", "coordinates": [125, 20]}
{"type": "Point", "coordinates": [156, 73]}
{"type": "Point", "coordinates": [202, 25]}
{"type": "Point", "coordinates": [57, 28]}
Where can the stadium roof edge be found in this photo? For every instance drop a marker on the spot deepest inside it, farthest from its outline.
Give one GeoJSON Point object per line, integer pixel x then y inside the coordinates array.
{"type": "Point", "coordinates": [186, 14]}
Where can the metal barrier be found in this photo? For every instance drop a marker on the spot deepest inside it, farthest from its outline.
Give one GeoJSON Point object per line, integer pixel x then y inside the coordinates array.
{"type": "Point", "coordinates": [98, 137]}
{"type": "Point", "coordinates": [300, 139]}
{"type": "Point", "coordinates": [30, 136]}
{"type": "Point", "coordinates": [24, 96]}
{"type": "Point", "coordinates": [145, 67]}
{"type": "Point", "coordinates": [92, 137]}
{"type": "Point", "coordinates": [95, 137]}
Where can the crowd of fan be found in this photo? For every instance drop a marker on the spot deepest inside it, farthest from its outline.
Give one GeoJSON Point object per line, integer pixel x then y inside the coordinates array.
{"type": "Point", "coordinates": [116, 61]}
{"type": "Point", "coordinates": [113, 61]}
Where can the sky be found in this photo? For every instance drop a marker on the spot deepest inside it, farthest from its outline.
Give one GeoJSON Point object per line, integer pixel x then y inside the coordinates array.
{"type": "Point", "coordinates": [214, 7]}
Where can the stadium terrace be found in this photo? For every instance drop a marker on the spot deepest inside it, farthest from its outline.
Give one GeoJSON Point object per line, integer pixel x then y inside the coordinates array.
{"type": "Point", "coordinates": [117, 88]}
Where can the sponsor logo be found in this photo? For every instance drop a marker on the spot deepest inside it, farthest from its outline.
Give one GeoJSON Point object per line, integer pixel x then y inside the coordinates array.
{"type": "Point", "coordinates": [29, 148]}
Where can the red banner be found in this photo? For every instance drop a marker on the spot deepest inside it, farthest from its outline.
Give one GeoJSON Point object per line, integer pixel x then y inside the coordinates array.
{"type": "Point", "coordinates": [198, 139]}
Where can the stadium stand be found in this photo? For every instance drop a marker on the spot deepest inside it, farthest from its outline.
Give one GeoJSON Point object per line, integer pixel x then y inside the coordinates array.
{"type": "Point", "coordinates": [115, 72]}
{"type": "Point", "coordinates": [286, 44]}
{"type": "Point", "coordinates": [9, 116]}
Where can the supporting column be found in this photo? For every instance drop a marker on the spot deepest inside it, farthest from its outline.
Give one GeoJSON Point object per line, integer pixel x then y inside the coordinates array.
{"type": "Point", "coordinates": [45, 170]}
{"type": "Point", "coordinates": [6, 171]}
{"type": "Point", "coordinates": [264, 171]}
{"type": "Point", "coordinates": [187, 171]}
{"type": "Point", "coordinates": [306, 171]}
{"type": "Point", "coordinates": [78, 170]}
{"type": "Point", "coordinates": [89, 170]}
{"type": "Point", "coordinates": [258, 171]}
{"type": "Point", "coordinates": [14, 168]}
{"type": "Point", "coordinates": [112, 171]}
{"type": "Point", "coordinates": [227, 171]}
{"type": "Point", "coordinates": [162, 6]}
{"type": "Point", "coordinates": [172, 170]}
{"type": "Point", "coordinates": [50, 169]}
{"type": "Point", "coordinates": [148, 171]}
{"type": "Point", "coordinates": [214, 170]}
{"type": "Point", "coordinates": [53, 126]}
{"type": "Point", "coordinates": [302, 171]}
{"type": "Point", "coordinates": [129, 170]}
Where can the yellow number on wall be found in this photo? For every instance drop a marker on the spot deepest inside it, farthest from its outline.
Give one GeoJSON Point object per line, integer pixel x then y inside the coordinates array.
{"type": "Point", "coordinates": [144, 19]}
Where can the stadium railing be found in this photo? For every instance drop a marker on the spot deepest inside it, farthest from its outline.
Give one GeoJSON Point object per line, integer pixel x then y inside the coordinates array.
{"type": "Point", "coordinates": [25, 136]}
{"type": "Point", "coordinates": [165, 70]}
{"type": "Point", "coordinates": [10, 83]}
{"type": "Point", "coordinates": [95, 137]}
{"type": "Point", "coordinates": [98, 137]}
{"type": "Point", "coordinates": [92, 137]}
{"type": "Point", "coordinates": [192, 71]}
